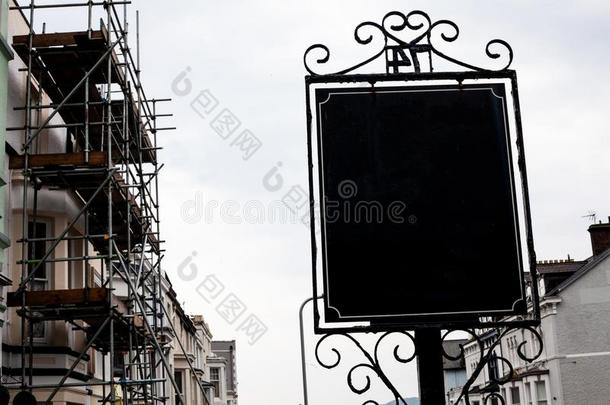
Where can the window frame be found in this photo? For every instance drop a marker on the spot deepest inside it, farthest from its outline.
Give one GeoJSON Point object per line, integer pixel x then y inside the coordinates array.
{"type": "Point", "coordinates": [38, 283]}
{"type": "Point", "coordinates": [215, 380]}
{"type": "Point", "coordinates": [541, 384]}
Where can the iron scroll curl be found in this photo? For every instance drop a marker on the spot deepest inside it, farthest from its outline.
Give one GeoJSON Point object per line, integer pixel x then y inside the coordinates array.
{"type": "Point", "coordinates": [329, 356]}
{"type": "Point", "coordinates": [400, 53]}
{"type": "Point", "coordinates": [487, 354]}
{"type": "Point", "coordinates": [372, 367]}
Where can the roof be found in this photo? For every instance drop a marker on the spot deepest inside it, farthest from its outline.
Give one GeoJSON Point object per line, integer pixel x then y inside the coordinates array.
{"type": "Point", "coordinates": [591, 264]}
{"type": "Point", "coordinates": [223, 344]}
{"type": "Point", "coordinates": [560, 267]}
{"type": "Point", "coordinates": [5, 281]}
{"type": "Point", "coordinates": [199, 320]}
{"type": "Point", "coordinates": [453, 349]}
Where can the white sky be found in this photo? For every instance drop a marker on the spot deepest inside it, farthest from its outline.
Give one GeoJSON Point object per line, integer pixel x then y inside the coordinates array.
{"type": "Point", "coordinates": [248, 54]}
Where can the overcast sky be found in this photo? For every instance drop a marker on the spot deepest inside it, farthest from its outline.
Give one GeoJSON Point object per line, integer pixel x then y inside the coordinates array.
{"type": "Point", "coordinates": [248, 55]}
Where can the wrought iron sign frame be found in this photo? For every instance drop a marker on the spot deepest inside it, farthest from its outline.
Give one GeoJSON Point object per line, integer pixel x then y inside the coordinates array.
{"type": "Point", "coordinates": [399, 54]}
{"type": "Point", "coordinates": [404, 63]}
{"type": "Point", "coordinates": [329, 357]}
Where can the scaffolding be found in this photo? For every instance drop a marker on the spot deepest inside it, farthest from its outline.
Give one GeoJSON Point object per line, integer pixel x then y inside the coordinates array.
{"type": "Point", "coordinates": [110, 166]}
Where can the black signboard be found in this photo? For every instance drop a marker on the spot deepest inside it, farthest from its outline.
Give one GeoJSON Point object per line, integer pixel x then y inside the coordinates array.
{"type": "Point", "coordinates": [420, 218]}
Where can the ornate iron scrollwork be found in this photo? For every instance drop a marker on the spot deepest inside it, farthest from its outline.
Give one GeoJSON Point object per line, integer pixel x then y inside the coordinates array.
{"type": "Point", "coordinates": [372, 363]}
{"type": "Point", "coordinates": [411, 43]}
{"type": "Point", "coordinates": [488, 354]}
{"type": "Point", "coordinates": [487, 344]}
{"type": "Point", "coordinates": [400, 53]}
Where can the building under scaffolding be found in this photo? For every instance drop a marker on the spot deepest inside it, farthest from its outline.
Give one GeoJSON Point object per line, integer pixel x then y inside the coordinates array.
{"type": "Point", "coordinates": [85, 218]}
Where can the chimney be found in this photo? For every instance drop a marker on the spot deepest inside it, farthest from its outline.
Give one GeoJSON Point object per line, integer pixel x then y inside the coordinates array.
{"type": "Point", "coordinates": [600, 237]}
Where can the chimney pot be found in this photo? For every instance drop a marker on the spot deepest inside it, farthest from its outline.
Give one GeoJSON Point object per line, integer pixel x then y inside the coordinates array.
{"type": "Point", "coordinates": [600, 237]}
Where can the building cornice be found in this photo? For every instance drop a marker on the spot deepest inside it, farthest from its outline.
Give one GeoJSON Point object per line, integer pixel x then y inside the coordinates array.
{"type": "Point", "coordinates": [5, 48]}
{"type": "Point", "coordinates": [5, 241]}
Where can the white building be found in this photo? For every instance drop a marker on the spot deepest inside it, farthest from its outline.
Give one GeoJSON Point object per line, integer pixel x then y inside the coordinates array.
{"type": "Point", "coordinates": [454, 370]}
{"type": "Point", "coordinates": [68, 341]}
{"type": "Point", "coordinates": [191, 367]}
{"type": "Point", "coordinates": [575, 328]}
{"type": "Point", "coordinates": [223, 371]}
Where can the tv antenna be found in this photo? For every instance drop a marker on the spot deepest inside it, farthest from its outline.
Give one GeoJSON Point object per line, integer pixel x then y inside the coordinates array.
{"type": "Point", "coordinates": [592, 215]}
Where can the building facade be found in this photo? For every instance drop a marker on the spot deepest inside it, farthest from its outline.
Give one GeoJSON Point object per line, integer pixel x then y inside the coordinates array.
{"type": "Point", "coordinates": [454, 368]}
{"type": "Point", "coordinates": [223, 371]}
{"type": "Point", "coordinates": [188, 343]}
{"type": "Point", "coordinates": [97, 319]}
{"type": "Point", "coordinates": [6, 55]}
{"type": "Point", "coordinates": [55, 344]}
{"type": "Point", "coordinates": [573, 365]}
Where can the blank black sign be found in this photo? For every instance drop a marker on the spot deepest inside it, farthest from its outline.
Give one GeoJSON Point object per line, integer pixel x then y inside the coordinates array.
{"type": "Point", "coordinates": [421, 218]}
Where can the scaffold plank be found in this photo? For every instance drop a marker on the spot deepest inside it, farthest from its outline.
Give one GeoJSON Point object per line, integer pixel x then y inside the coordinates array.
{"type": "Point", "coordinates": [47, 160]}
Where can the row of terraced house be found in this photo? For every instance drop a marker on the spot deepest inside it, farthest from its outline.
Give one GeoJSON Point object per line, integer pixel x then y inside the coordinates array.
{"type": "Point", "coordinates": [147, 350]}
{"type": "Point", "coordinates": [573, 352]}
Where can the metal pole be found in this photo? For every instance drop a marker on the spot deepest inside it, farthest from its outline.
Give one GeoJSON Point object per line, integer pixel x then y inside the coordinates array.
{"type": "Point", "coordinates": [109, 266]}
{"type": "Point", "coordinates": [31, 323]}
{"type": "Point", "coordinates": [428, 346]}
{"type": "Point", "coordinates": [104, 378]}
{"type": "Point", "coordinates": [87, 149]}
{"type": "Point", "coordinates": [89, 17]}
{"type": "Point", "coordinates": [66, 5]}
{"type": "Point", "coordinates": [526, 200]}
{"type": "Point", "coordinates": [157, 286]}
{"type": "Point", "coordinates": [24, 215]}
{"type": "Point", "coordinates": [138, 41]}
{"type": "Point", "coordinates": [303, 365]}
{"type": "Point", "coordinates": [67, 385]}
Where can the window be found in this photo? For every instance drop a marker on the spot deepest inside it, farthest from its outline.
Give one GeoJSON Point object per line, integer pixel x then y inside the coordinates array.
{"type": "Point", "coordinates": [534, 345]}
{"type": "Point", "coordinates": [36, 120]}
{"type": "Point", "coordinates": [515, 396]}
{"type": "Point", "coordinates": [493, 368]}
{"type": "Point", "coordinates": [541, 393]}
{"type": "Point", "coordinates": [179, 384]}
{"type": "Point", "coordinates": [36, 250]}
{"type": "Point", "coordinates": [215, 380]}
{"type": "Point", "coordinates": [119, 365]}
{"type": "Point", "coordinates": [71, 265]}
{"type": "Point", "coordinates": [528, 394]}
{"type": "Point", "coordinates": [76, 277]}
{"type": "Point", "coordinates": [37, 232]}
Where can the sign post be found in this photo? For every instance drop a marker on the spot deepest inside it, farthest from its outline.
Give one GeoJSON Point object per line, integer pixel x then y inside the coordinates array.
{"type": "Point", "coordinates": [428, 345]}
{"type": "Point", "coordinates": [419, 201]}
